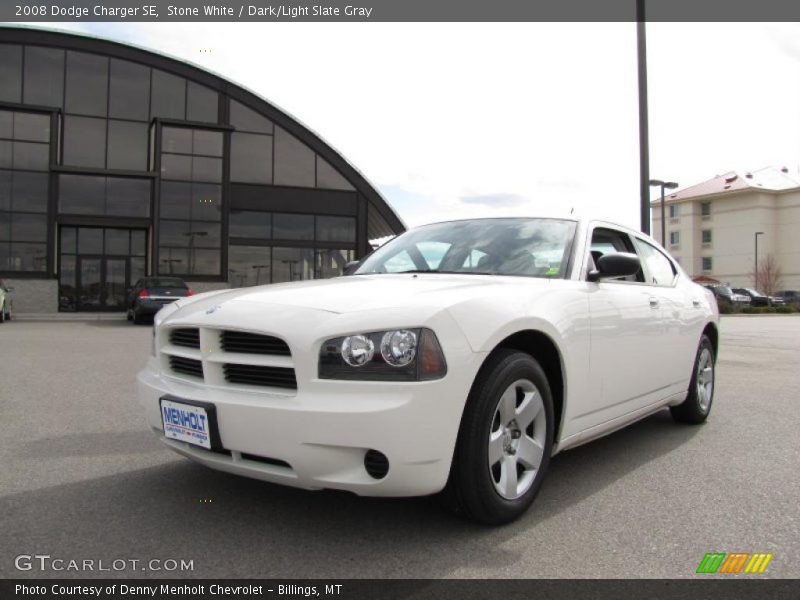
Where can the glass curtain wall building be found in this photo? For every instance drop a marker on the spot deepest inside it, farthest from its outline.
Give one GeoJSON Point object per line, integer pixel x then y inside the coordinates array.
{"type": "Point", "coordinates": [116, 163]}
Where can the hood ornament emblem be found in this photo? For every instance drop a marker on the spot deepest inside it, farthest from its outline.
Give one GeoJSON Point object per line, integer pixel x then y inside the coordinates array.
{"type": "Point", "coordinates": [213, 309]}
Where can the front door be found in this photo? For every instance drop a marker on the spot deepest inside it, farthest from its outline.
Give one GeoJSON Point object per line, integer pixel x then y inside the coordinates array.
{"type": "Point", "coordinates": [102, 282]}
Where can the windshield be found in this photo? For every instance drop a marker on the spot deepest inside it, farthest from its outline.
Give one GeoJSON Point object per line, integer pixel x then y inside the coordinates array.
{"type": "Point", "coordinates": [522, 247]}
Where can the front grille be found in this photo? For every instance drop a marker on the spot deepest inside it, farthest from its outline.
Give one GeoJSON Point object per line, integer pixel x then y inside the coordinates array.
{"type": "Point", "coordinates": [253, 343]}
{"type": "Point", "coordinates": [279, 377]}
{"type": "Point", "coordinates": [189, 338]}
{"type": "Point", "coordinates": [186, 366]}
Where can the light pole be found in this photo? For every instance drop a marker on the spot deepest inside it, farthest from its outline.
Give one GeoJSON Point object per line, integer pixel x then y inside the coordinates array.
{"type": "Point", "coordinates": [192, 235]}
{"type": "Point", "coordinates": [258, 272]}
{"type": "Point", "coordinates": [291, 264]}
{"type": "Point", "coordinates": [644, 141]}
{"type": "Point", "coordinates": [755, 268]}
{"type": "Point", "coordinates": [664, 185]}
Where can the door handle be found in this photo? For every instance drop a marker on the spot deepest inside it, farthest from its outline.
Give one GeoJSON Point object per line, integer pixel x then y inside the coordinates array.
{"type": "Point", "coordinates": [696, 303]}
{"type": "Point", "coordinates": [653, 302]}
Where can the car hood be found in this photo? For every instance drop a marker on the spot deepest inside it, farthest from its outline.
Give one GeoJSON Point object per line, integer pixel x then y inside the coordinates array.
{"type": "Point", "coordinates": [371, 292]}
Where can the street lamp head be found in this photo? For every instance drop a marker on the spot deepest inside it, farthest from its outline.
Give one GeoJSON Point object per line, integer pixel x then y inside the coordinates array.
{"type": "Point", "coordinates": [759, 233]}
{"type": "Point", "coordinates": [655, 182]}
{"type": "Point", "coordinates": [671, 185]}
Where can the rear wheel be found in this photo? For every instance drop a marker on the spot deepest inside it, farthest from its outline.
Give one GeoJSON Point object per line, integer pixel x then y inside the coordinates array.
{"type": "Point", "coordinates": [137, 318]}
{"type": "Point", "coordinates": [504, 443]}
{"type": "Point", "coordinates": [697, 406]}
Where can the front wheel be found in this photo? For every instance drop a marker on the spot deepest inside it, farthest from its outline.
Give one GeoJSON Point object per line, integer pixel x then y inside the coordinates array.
{"type": "Point", "coordinates": [697, 406]}
{"type": "Point", "coordinates": [504, 442]}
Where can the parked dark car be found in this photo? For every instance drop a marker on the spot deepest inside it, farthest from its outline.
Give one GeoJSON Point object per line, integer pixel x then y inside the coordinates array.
{"type": "Point", "coordinates": [150, 294]}
{"type": "Point", "coordinates": [789, 297]}
{"type": "Point", "coordinates": [726, 297]}
{"type": "Point", "coordinates": [756, 298]}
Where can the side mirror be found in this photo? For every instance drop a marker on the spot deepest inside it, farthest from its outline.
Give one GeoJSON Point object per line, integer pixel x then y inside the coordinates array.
{"type": "Point", "coordinates": [618, 264]}
{"type": "Point", "coordinates": [350, 267]}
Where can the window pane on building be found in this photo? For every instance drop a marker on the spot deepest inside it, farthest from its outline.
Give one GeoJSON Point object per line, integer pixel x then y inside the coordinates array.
{"type": "Point", "coordinates": [169, 96]}
{"type": "Point", "coordinates": [117, 241]}
{"type": "Point", "coordinates": [176, 166]}
{"type": "Point", "coordinates": [138, 244]}
{"type": "Point", "coordinates": [128, 197]}
{"type": "Point", "coordinates": [44, 76]}
{"type": "Point", "coordinates": [292, 227]}
{"type": "Point", "coordinates": [202, 103]}
{"type": "Point", "coordinates": [330, 178]}
{"type": "Point", "coordinates": [175, 233]}
{"type": "Point", "coordinates": [90, 240]}
{"type": "Point", "coordinates": [292, 264]}
{"type": "Point", "coordinates": [176, 139]}
{"type": "Point", "coordinates": [245, 119]}
{"type": "Point", "coordinates": [250, 224]}
{"type": "Point", "coordinates": [84, 142]}
{"type": "Point", "coordinates": [10, 73]}
{"type": "Point", "coordinates": [330, 263]}
{"type": "Point", "coordinates": [69, 240]}
{"type": "Point", "coordinates": [295, 163]}
{"type": "Point", "coordinates": [5, 226]}
{"type": "Point", "coordinates": [31, 156]}
{"type": "Point", "coordinates": [5, 190]}
{"type": "Point", "coordinates": [207, 143]}
{"type": "Point", "coordinates": [6, 154]}
{"type": "Point", "coordinates": [66, 283]}
{"type": "Point", "coordinates": [86, 85]}
{"type": "Point", "coordinates": [249, 265]}
{"type": "Point", "coordinates": [336, 229]}
{"type": "Point", "coordinates": [127, 145]}
{"type": "Point", "coordinates": [129, 91]}
{"type": "Point", "coordinates": [6, 124]}
{"type": "Point", "coordinates": [206, 202]}
{"type": "Point", "coordinates": [205, 235]}
{"type": "Point", "coordinates": [173, 261]}
{"type": "Point", "coordinates": [27, 257]}
{"type": "Point", "coordinates": [81, 194]}
{"type": "Point", "coordinates": [251, 158]}
{"type": "Point", "coordinates": [204, 262]}
{"type": "Point", "coordinates": [31, 127]}
{"type": "Point", "coordinates": [29, 192]}
{"type": "Point", "coordinates": [28, 227]}
{"type": "Point", "coordinates": [206, 169]}
{"type": "Point", "coordinates": [176, 200]}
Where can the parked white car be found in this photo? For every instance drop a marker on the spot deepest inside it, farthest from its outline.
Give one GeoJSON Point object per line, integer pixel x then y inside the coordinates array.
{"type": "Point", "coordinates": [459, 357]}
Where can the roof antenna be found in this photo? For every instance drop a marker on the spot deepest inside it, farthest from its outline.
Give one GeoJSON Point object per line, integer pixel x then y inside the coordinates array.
{"type": "Point", "coordinates": [571, 210]}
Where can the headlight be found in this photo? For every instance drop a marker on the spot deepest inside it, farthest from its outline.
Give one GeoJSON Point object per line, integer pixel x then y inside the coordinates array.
{"type": "Point", "coordinates": [395, 355]}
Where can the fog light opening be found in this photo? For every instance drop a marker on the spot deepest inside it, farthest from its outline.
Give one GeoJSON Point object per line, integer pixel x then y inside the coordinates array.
{"type": "Point", "coordinates": [376, 464]}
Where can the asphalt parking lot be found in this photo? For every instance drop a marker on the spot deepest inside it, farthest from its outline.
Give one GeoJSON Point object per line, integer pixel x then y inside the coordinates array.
{"type": "Point", "coordinates": [83, 478]}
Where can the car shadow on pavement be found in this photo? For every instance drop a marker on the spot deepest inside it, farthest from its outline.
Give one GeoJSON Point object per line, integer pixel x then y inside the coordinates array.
{"type": "Point", "coordinates": [236, 527]}
{"type": "Point", "coordinates": [101, 443]}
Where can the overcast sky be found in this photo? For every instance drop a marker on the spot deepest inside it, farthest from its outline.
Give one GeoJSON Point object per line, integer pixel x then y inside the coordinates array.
{"type": "Point", "coordinates": [455, 120]}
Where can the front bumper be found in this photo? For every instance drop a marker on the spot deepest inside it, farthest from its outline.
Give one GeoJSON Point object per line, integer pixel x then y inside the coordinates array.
{"type": "Point", "coordinates": [317, 436]}
{"type": "Point", "coordinates": [146, 306]}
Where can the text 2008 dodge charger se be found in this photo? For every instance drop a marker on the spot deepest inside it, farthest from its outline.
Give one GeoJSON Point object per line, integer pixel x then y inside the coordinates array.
{"type": "Point", "coordinates": [457, 358]}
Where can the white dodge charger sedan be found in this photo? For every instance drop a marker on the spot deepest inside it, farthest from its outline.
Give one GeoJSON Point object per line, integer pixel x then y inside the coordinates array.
{"type": "Point", "coordinates": [457, 358]}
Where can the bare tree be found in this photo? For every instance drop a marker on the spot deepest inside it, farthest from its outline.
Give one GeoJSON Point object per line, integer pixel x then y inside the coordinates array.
{"type": "Point", "coordinates": [769, 277]}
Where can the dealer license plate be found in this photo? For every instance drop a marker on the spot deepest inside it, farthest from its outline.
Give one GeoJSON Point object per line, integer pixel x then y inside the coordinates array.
{"type": "Point", "coordinates": [186, 423]}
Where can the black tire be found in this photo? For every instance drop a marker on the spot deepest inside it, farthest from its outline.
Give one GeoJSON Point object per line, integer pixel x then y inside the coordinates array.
{"type": "Point", "coordinates": [137, 318]}
{"type": "Point", "coordinates": [129, 315]}
{"type": "Point", "coordinates": [695, 409]}
{"type": "Point", "coordinates": [470, 491]}
{"type": "Point", "coordinates": [3, 314]}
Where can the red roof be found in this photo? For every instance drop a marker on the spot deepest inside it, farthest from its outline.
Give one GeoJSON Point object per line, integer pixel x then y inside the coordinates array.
{"type": "Point", "coordinates": [768, 178]}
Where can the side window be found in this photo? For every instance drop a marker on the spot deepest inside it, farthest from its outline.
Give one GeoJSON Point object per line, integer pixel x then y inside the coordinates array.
{"type": "Point", "coordinates": [608, 241]}
{"type": "Point", "coordinates": [473, 258]}
{"type": "Point", "coordinates": [659, 269]}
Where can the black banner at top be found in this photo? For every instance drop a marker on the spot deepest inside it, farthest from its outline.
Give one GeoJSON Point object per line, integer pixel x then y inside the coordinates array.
{"type": "Point", "coordinates": [17, 11]}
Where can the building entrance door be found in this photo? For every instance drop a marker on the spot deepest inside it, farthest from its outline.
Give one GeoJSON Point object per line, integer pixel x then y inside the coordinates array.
{"type": "Point", "coordinates": [102, 282]}
{"type": "Point", "coordinates": [98, 265]}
